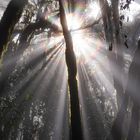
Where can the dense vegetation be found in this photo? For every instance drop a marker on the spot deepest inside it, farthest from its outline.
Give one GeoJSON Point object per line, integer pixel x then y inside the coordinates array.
{"type": "Point", "coordinates": [67, 73]}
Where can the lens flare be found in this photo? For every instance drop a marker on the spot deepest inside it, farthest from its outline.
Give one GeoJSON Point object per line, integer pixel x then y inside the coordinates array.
{"type": "Point", "coordinates": [73, 21]}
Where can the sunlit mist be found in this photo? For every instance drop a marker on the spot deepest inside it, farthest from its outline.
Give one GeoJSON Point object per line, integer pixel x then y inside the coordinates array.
{"type": "Point", "coordinates": [35, 76]}
{"type": "Point", "coordinates": [93, 10]}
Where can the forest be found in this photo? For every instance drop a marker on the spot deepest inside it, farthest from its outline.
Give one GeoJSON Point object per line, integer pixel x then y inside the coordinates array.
{"type": "Point", "coordinates": [69, 70]}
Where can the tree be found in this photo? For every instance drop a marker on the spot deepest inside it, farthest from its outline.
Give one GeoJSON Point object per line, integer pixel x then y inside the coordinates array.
{"type": "Point", "coordinates": [10, 18]}
{"type": "Point", "coordinates": [38, 20]}
{"type": "Point", "coordinates": [76, 123]}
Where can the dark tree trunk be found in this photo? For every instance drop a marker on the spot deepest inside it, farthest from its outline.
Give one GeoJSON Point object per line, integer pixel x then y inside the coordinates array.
{"type": "Point", "coordinates": [76, 125]}
{"type": "Point", "coordinates": [10, 18]}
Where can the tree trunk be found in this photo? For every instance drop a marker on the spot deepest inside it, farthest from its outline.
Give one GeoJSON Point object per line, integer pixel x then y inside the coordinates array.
{"type": "Point", "coordinates": [10, 18]}
{"type": "Point", "coordinates": [76, 125]}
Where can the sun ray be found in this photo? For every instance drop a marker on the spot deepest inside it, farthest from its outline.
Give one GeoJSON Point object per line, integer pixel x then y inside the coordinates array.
{"type": "Point", "coordinates": [39, 77]}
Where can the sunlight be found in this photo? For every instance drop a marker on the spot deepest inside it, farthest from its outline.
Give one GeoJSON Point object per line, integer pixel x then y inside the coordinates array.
{"type": "Point", "coordinates": [16, 38]}
{"type": "Point", "coordinates": [87, 45]}
{"type": "Point", "coordinates": [58, 80]}
{"type": "Point", "coordinates": [73, 21]}
{"type": "Point", "coordinates": [93, 11]}
{"type": "Point", "coordinates": [81, 47]}
{"type": "Point", "coordinates": [77, 36]}
{"type": "Point", "coordinates": [132, 12]}
{"type": "Point", "coordinates": [79, 43]}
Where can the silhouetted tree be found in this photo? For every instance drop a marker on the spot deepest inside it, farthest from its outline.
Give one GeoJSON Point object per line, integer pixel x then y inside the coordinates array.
{"type": "Point", "coordinates": [76, 124]}
{"type": "Point", "coordinates": [10, 17]}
